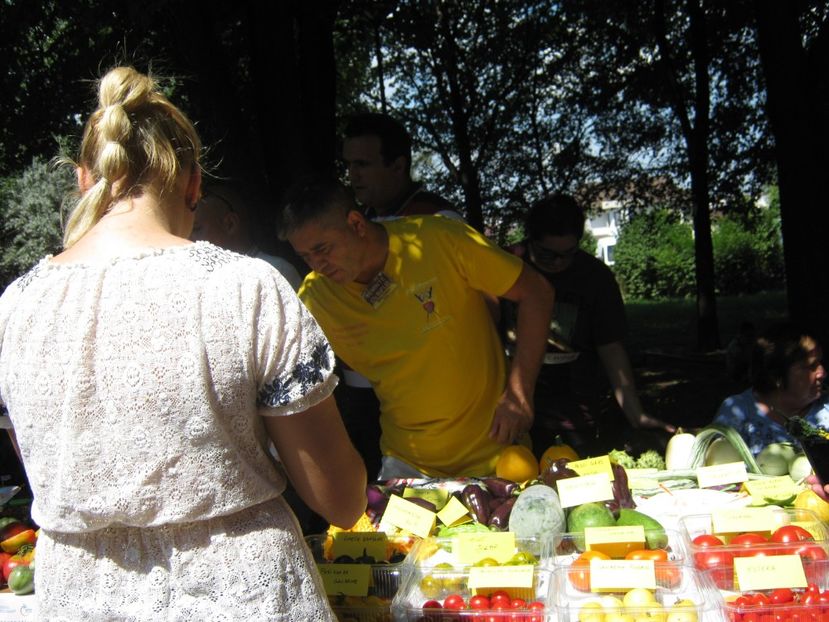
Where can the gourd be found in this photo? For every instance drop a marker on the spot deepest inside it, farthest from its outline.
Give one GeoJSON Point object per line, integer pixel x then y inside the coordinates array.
{"type": "Point", "coordinates": [537, 512]}
{"type": "Point", "coordinates": [774, 459]}
{"type": "Point", "coordinates": [679, 450]}
{"type": "Point", "coordinates": [799, 467]}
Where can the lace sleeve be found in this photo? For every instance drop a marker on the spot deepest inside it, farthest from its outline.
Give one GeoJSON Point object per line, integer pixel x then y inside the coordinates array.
{"type": "Point", "coordinates": [294, 359]}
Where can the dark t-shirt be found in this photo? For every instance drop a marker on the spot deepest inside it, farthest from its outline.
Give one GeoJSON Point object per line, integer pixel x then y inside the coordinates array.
{"type": "Point", "coordinates": [589, 312]}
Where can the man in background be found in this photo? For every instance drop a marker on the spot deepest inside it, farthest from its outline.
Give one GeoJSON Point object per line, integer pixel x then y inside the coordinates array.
{"type": "Point", "coordinates": [224, 217]}
{"type": "Point", "coordinates": [377, 151]}
{"type": "Point", "coordinates": [587, 333]}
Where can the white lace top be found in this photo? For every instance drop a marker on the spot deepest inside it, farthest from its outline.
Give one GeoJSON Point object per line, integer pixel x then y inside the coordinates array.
{"type": "Point", "coordinates": [134, 385]}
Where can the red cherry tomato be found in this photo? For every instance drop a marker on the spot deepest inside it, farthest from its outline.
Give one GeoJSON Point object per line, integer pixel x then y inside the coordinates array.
{"type": "Point", "coordinates": [536, 611]}
{"type": "Point", "coordinates": [742, 601]}
{"type": "Point", "coordinates": [760, 599]}
{"type": "Point", "coordinates": [479, 602]}
{"type": "Point", "coordinates": [748, 539]}
{"type": "Point", "coordinates": [781, 595]}
{"type": "Point", "coordinates": [500, 599]}
{"type": "Point", "coordinates": [657, 555]}
{"type": "Point", "coordinates": [812, 552]}
{"type": "Point", "coordinates": [790, 533]}
{"type": "Point", "coordinates": [518, 603]}
{"type": "Point", "coordinates": [454, 601]}
{"type": "Point", "coordinates": [432, 604]}
{"type": "Point", "coordinates": [707, 540]}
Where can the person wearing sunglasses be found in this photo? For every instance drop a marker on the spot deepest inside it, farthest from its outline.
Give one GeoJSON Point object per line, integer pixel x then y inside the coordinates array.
{"type": "Point", "coordinates": [586, 334]}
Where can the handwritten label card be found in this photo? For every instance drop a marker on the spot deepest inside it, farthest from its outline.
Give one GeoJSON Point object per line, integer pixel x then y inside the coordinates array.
{"type": "Point", "coordinates": [611, 575]}
{"type": "Point", "coordinates": [501, 576]}
{"type": "Point", "coordinates": [577, 490]}
{"type": "Point", "coordinates": [409, 516]}
{"type": "Point", "coordinates": [592, 466]}
{"type": "Point", "coordinates": [357, 543]}
{"type": "Point", "coordinates": [720, 474]}
{"type": "Point", "coordinates": [348, 579]}
{"type": "Point", "coordinates": [436, 497]}
{"type": "Point", "coordinates": [454, 513]}
{"type": "Point", "coordinates": [615, 541]}
{"type": "Point", "coordinates": [772, 488]}
{"type": "Point", "coordinates": [724, 520]}
{"type": "Point", "coordinates": [768, 573]}
{"type": "Point", "coordinates": [473, 547]}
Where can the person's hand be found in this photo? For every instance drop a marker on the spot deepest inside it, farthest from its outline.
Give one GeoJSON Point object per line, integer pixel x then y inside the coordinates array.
{"type": "Point", "coordinates": [513, 417]}
{"type": "Point", "coordinates": [821, 491]}
{"type": "Point", "coordinates": [652, 423]}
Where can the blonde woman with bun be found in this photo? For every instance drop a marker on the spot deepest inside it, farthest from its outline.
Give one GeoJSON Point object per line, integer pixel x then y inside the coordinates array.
{"type": "Point", "coordinates": [145, 376]}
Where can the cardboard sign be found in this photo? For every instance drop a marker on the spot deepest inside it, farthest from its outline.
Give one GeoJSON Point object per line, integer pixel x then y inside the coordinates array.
{"type": "Point", "coordinates": [408, 516]}
{"type": "Point", "coordinates": [577, 490]}
{"type": "Point", "coordinates": [501, 576]}
{"type": "Point", "coordinates": [348, 579]}
{"type": "Point", "coordinates": [454, 513]}
{"type": "Point", "coordinates": [358, 543]}
{"type": "Point", "coordinates": [721, 474]}
{"type": "Point", "coordinates": [735, 520]}
{"type": "Point", "coordinates": [592, 466]}
{"type": "Point", "coordinates": [614, 541]}
{"type": "Point", "coordinates": [768, 573]}
{"type": "Point", "coordinates": [611, 575]}
{"type": "Point", "coordinates": [471, 548]}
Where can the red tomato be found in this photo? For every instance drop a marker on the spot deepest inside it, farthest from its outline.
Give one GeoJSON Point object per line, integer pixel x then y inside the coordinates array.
{"type": "Point", "coordinates": [760, 599]}
{"type": "Point", "coordinates": [790, 533]}
{"type": "Point", "coordinates": [537, 611]}
{"type": "Point", "coordinates": [813, 552]}
{"type": "Point", "coordinates": [781, 595]}
{"type": "Point", "coordinates": [499, 599]}
{"type": "Point", "coordinates": [707, 540]}
{"type": "Point", "coordinates": [742, 601]}
{"type": "Point", "coordinates": [479, 602]}
{"type": "Point", "coordinates": [748, 539]}
{"type": "Point", "coordinates": [518, 603]}
{"type": "Point", "coordinates": [432, 604]}
{"type": "Point", "coordinates": [12, 562]}
{"type": "Point", "coordinates": [712, 558]}
{"type": "Point", "coordinates": [454, 601]}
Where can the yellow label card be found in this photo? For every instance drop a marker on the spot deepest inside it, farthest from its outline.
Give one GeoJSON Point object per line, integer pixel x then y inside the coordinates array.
{"type": "Point", "coordinates": [613, 575]}
{"type": "Point", "coordinates": [454, 512]}
{"type": "Point", "coordinates": [615, 541]}
{"type": "Point", "coordinates": [734, 520]}
{"type": "Point", "coordinates": [358, 543]}
{"type": "Point", "coordinates": [501, 576]}
{"type": "Point", "coordinates": [768, 573]}
{"type": "Point", "coordinates": [720, 474]}
{"type": "Point", "coordinates": [348, 579]}
{"type": "Point", "coordinates": [772, 488]}
{"type": "Point", "coordinates": [436, 497]}
{"type": "Point", "coordinates": [471, 548]}
{"type": "Point", "coordinates": [592, 466]}
{"type": "Point", "coordinates": [409, 516]}
{"type": "Point", "coordinates": [641, 472]}
{"type": "Point", "coordinates": [577, 490]}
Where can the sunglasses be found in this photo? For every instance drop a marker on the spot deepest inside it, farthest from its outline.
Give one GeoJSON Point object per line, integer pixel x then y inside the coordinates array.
{"type": "Point", "coordinates": [542, 254]}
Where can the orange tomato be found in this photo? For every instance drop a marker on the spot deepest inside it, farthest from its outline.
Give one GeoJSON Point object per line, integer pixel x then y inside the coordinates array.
{"type": "Point", "coordinates": [657, 555]}
{"type": "Point", "coordinates": [579, 573]}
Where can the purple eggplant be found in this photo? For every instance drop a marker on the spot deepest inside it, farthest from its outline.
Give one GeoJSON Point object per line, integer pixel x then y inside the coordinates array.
{"type": "Point", "coordinates": [427, 505]}
{"type": "Point", "coordinates": [499, 487]}
{"type": "Point", "coordinates": [500, 517]}
{"type": "Point", "coordinates": [556, 471]}
{"type": "Point", "coordinates": [621, 489]}
{"type": "Point", "coordinates": [377, 500]}
{"type": "Point", "coordinates": [476, 499]}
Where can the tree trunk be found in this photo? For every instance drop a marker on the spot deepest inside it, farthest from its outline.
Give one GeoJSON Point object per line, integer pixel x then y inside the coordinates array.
{"type": "Point", "coordinates": [799, 125]}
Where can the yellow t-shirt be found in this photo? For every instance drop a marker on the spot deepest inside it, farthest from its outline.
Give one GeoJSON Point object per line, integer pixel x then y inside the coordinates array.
{"type": "Point", "coordinates": [428, 346]}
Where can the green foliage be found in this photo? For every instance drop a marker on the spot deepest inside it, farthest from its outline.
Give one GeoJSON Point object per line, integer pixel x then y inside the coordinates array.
{"type": "Point", "coordinates": [655, 256]}
{"type": "Point", "coordinates": [588, 243]}
{"type": "Point", "coordinates": [30, 217]}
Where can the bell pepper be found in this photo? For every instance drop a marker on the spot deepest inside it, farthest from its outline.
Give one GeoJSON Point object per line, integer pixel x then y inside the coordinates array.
{"type": "Point", "coordinates": [13, 544]}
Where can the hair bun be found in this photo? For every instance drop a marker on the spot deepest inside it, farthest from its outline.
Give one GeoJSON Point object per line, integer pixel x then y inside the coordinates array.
{"type": "Point", "coordinates": [125, 86]}
{"type": "Point", "coordinates": [115, 124]}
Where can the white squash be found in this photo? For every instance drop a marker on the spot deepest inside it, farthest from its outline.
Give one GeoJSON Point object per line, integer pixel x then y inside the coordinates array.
{"type": "Point", "coordinates": [721, 451]}
{"type": "Point", "coordinates": [679, 451]}
{"type": "Point", "coordinates": [772, 460]}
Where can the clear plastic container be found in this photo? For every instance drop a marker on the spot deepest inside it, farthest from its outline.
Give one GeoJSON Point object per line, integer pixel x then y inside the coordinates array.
{"type": "Point", "coordinates": [568, 546]}
{"type": "Point", "coordinates": [386, 578]}
{"type": "Point", "coordinates": [679, 589]}
{"type": "Point", "coordinates": [701, 524]}
{"type": "Point", "coordinates": [430, 552]}
{"type": "Point", "coordinates": [723, 579]}
{"type": "Point", "coordinates": [425, 586]}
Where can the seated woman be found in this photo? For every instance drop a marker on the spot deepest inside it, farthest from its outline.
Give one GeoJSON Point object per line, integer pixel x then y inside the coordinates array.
{"type": "Point", "coordinates": [787, 377]}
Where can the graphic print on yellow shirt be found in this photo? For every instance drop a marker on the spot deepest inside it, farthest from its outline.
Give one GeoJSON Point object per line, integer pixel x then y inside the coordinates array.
{"type": "Point", "coordinates": [430, 349]}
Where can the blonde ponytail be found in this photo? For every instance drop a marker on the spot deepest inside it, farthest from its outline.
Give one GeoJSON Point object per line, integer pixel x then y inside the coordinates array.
{"type": "Point", "coordinates": [134, 142]}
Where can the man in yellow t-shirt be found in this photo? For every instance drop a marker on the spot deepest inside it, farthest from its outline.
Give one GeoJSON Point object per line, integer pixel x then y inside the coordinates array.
{"type": "Point", "coordinates": [402, 303]}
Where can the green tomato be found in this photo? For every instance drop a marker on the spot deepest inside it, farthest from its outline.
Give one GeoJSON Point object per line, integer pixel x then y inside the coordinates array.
{"type": "Point", "coordinates": [22, 580]}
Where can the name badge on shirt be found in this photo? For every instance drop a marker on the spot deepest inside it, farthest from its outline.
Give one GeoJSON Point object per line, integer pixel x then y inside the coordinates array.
{"type": "Point", "coordinates": [378, 289]}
